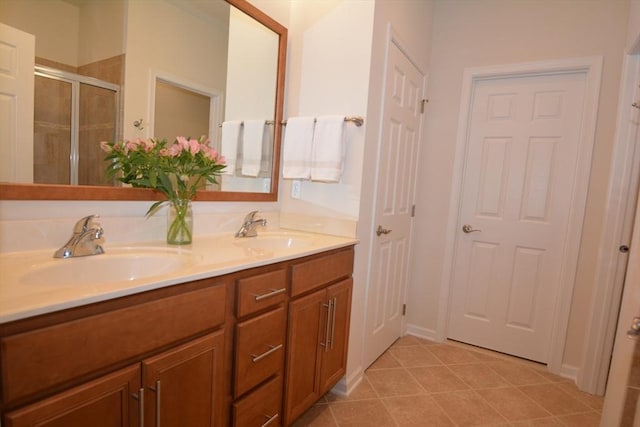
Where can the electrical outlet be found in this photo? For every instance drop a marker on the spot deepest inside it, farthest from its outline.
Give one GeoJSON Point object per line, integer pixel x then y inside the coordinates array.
{"type": "Point", "coordinates": [295, 189]}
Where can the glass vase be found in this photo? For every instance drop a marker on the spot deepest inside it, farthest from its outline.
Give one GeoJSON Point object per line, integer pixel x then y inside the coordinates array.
{"type": "Point", "coordinates": [179, 222]}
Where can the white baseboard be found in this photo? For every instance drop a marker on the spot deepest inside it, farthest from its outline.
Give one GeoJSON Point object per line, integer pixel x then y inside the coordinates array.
{"type": "Point", "coordinates": [569, 372]}
{"type": "Point", "coordinates": [346, 385]}
{"type": "Point", "coordinates": [417, 331]}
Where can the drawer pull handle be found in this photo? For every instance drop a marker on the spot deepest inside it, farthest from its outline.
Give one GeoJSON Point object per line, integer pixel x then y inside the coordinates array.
{"type": "Point", "coordinates": [269, 420]}
{"type": "Point", "coordinates": [272, 349]}
{"type": "Point", "coordinates": [273, 293]}
{"type": "Point", "coordinates": [140, 397]}
{"type": "Point", "coordinates": [157, 390]}
{"type": "Point", "coordinates": [333, 320]}
{"type": "Point", "coordinates": [327, 331]}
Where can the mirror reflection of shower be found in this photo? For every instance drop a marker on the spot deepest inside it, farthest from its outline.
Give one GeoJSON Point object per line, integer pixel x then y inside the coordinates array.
{"type": "Point", "coordinates": [72, 114]}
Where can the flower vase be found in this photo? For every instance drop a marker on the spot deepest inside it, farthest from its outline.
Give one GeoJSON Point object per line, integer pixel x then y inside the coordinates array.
{"type": "Point", "coordinates": [179, 222]}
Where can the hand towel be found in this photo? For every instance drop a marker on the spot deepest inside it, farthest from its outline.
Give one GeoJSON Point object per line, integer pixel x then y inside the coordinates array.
{"type": "Point", "coordinates": [229, 145]}
{"type": "Point", "coordinates": [327, 149]}
{"type": "Point", "coordinates": [296, 155]}
{"type": "Point", "coordinates": [252, 147]}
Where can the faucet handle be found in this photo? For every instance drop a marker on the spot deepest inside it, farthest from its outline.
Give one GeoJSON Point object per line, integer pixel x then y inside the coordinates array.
{"type": "Point", "coordinates": [84, 224]}
{"type": "Point", "coordinates": [250, 216]}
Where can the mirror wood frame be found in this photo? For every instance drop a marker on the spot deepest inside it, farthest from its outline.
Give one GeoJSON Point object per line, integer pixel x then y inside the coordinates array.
{"type": "Point", "coordinates": [10, 191]}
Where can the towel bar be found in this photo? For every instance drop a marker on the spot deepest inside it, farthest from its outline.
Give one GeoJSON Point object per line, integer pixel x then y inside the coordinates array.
{"type": "Point", "coordinates": [359, 121]}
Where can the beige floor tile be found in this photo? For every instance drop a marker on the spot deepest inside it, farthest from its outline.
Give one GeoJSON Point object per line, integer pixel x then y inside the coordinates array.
{"type": "Point", "coordinates": [517, 374]}
{"type": "Point", "coordinates": [591, 400]}
{"type": "Point", "coordinates": [590, 419]}
{"type": "Point", "coordinates": [450, 355]}
{"type": "Point", "coordinates": [384, 362]}
{"type": "Point", "coordinates": [466, 408]}
{"type": "Point", "coordinates": [552, 398]}
{"type": "Point", "coordinates": [478, 375]}
{"type": "Point", "coordinates": [394, 382]}
{"type": "Point", "coordinates": [540, 422]}
{"type": "Point", "coordinates": [317, 416]}
{"type": "Point", "coordinates": [416, 411]}
{"type": "Point", "coordinates": [437, 379]}
{"type": "Point", "coordinates": [364, 413]}
{"type": "Point", "coordinates": [363, 391]}
{"type": "Point", "coordinates": [409, 356]}
{"type": "Point", "coordinates": [512, 404]}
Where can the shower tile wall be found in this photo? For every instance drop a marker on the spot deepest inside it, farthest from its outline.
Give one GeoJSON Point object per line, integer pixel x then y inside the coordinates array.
{"type": "Point", "coordinates": [52, 117]}
{"type": "Point", "coordinates": [97, 117]}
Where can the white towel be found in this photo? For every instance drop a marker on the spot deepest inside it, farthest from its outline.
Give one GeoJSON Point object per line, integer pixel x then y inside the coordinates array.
{"type": "Point", "coordinates": [296, 156]}
{"type": "Point", "coordinates": [328, 149]}
{"type": "Point", "coordinates": [252, 147]}
{"type": "Point", "coordinates": [229, 146]}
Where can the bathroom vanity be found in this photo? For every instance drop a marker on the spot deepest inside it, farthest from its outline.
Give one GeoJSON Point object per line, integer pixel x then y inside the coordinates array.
{"type": "Point", "coordinates": [249, 343]}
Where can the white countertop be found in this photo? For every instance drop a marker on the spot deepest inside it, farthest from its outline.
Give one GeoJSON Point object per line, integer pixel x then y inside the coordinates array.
{"type": "Point", "coordinates": [33, 283]}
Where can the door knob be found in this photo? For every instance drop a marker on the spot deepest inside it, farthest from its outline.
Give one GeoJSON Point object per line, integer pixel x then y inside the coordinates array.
{"type": "Point", "coordinates": [380, 231]}
{"type": "Point", "coordinates": [469, 229]}
{"type": "Point", "coordinates": [634, 330]}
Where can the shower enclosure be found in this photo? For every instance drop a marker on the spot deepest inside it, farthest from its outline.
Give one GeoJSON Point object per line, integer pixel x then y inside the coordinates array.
{"type": "Point", "coordinates": [72, 114]}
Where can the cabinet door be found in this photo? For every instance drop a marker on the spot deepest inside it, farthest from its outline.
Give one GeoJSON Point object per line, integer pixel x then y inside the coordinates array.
{"type": "Point", "coordinates": [308, 318]}
{"type": "Point", "coordinates": [334, 356]}
{"type": "Point", "coordinates": [185, 385]}
{"type": "Point", "coordinates": [105, 402]}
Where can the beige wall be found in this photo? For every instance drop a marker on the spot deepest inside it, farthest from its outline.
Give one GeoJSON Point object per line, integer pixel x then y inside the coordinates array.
{"type": "Point", "coordinates": [493, 32]}
{"type": "Point", "coordinates": [177, 44]}
{"type": "Point", "coordinates": [55, 24]}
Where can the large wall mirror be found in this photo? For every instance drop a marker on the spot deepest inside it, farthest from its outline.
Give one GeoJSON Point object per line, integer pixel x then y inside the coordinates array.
{"type": "Point", "coordinates": [125, 69]}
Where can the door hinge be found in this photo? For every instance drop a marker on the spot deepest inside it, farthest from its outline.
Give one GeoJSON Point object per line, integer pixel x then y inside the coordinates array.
{"type": "Point", "coordinates": [422, 105]}
{"type": "Point", "coordinates": [404, 309]}
{"type": "Point", "coordinates": [413, 211]}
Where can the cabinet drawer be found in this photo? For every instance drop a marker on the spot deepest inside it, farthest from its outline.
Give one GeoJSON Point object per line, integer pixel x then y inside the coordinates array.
{"type": "Point", "coordinates": [259, 350]}
{"type": "Point", "coordinates": [262, 291]}
{"type": "Point", "coordinates": [260, 408]}
{"type": "Point", "coordinates": [317, 272]}
{"type": "Point", "coordinates": [49, 356]}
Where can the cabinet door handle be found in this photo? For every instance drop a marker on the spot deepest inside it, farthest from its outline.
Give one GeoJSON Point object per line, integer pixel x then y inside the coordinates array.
{"type": "Point", "coordinates": [140, 397]}
{"type": "Point", "coordinates": [272, 348]}
{"type": "Point", "coordinates": [333, 320]}
{"type": "Point", "coordinates": [270, 419]}
{"type": "Point", "coordinates": [157, 390]}
{"type": "Point", "coordinates": [273, 293]}
{"type": "Point", "coordinates": [327, 332]}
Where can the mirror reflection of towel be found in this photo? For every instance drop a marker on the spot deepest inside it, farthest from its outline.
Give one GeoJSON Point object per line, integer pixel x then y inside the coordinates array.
{"type": "Point", "coordinates": [328, 149]}
{"type": "Point", "coordinates": [229, 145]}
{"type": "Point", "coordinates": [252, 147]}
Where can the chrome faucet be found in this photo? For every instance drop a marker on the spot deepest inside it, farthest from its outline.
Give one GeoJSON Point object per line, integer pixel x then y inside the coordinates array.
{"type": "Point", "coordinates": [248, 228]}
{"type": "Point", "coordinates": [86, 239]}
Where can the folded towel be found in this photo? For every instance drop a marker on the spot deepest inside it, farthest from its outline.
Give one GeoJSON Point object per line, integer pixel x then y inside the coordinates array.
{"type": "Point", "coordinates": [328, 149]}
{"type": "Point", "coordinates": [252, 147]}
{"type": "Point", "coordinates": [296, 156]}
{"type": "Point", "coordinates": [229, 145]}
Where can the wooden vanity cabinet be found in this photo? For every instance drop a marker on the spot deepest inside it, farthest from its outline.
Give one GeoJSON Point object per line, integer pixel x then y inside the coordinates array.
{"type": "Point", "coordinates": [157, 358]}
{"type": "Point", "coordinates": [318, 330]}
{"type": "Point", "coordinates": [109, 401]}
{"type": "Point", "coordinates": [249, 349]}
{"type": "Point", "coordinates": [260, 347]}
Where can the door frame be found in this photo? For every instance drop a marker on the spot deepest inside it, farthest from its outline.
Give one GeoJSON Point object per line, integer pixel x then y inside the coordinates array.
{"type": "Point", "coordinates": [592, 68]}
{"type": "Point", "coordinates": [619, 217]}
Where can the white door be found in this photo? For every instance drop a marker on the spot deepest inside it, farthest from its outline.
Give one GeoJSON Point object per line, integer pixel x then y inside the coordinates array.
{"type": "Point", "coordinates": [521, 162]}
{"type": "Point", "coordinates": [621, 398]}
{"type": "Point", "coordinates": [17, 55]}
{"type": "Point", "coordinates": [396, 173]}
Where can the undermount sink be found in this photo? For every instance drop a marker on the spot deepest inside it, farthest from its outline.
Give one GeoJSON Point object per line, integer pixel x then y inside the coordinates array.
{"type": "Point", "coordinates": [125, 264]}
{"type": "Point", "coordinates": [275, 242]}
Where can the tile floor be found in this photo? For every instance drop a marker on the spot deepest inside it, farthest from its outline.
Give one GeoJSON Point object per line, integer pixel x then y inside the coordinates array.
{"type": "Point", "coordinates": [422, 383]}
